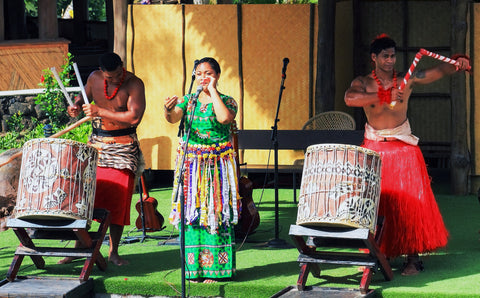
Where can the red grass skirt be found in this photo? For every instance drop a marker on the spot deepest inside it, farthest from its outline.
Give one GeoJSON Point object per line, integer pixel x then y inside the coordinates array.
{"type": "Point", "coordinates": [114, 193]}
{"type": "Point", "coordinates": [413, 223]}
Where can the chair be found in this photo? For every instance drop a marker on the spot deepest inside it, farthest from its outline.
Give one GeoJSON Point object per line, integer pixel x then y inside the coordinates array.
{"type": "Point", "coordinates": [331, 120]}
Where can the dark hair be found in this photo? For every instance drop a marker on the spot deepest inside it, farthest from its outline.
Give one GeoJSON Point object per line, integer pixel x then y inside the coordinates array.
{"type": "Point", "coordinates": [380, 43]}
{"type": "Point", "coordinates": [109, 61]}
{"type": "Point", "coordinates": [213, 63]}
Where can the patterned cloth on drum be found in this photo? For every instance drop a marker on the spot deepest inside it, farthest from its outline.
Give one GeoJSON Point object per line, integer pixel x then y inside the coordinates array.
{"type": "Point", "coordinates": [57, 180]}
{"type": "Point", "coordinates": [340, 187]}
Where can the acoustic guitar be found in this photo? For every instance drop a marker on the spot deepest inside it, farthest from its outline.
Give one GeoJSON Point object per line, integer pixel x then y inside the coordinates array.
{"type": "Point", "coordinates": [153, 220]}
{"type": "Point", "coordinates": [249, 217]}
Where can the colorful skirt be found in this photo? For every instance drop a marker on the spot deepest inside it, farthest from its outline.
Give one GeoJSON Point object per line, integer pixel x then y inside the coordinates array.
{"type": "Point", "coordinates": [412, 220]}
{"type": "Point", "coordinates": [209, 255]}
{"type": "Point", "coordinates": [210, 187]}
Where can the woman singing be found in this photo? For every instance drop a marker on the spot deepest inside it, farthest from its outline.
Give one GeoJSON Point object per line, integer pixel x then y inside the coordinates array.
{"type": "Point", "coordinates": [210, 181]}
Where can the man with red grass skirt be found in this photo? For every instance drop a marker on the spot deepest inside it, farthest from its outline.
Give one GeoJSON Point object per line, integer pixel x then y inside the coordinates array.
{"type": "Point", "coordinates": [413, 223]}
{"type": "Point", "coordinates": [119, 104]}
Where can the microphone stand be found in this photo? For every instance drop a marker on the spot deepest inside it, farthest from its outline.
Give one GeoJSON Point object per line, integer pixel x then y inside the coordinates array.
{"type": "Point", "coordinates": [180, 180]}
{"type": "Point", "coordinates": [182, 124]}
{"type": "Point", "coordinates": [180, 183]}
{"type": "Point", "coordinates": [277, 242]}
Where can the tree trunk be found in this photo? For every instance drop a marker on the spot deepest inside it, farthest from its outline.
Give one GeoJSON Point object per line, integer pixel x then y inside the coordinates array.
{"type": "Point", "coordinates": [325, 83]}
{"type": "Point", "coordinates": [460, 158]}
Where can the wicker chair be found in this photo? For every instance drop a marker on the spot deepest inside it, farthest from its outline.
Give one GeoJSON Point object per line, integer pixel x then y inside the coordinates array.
{"type": "Point", "coordinates": [332, 120]}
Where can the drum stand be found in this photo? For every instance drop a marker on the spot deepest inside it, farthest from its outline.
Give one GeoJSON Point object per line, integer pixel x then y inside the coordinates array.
{"type": "Point", "coordinates": [61, 230]}
{"type": "Point", "coordinates": [368, 254]}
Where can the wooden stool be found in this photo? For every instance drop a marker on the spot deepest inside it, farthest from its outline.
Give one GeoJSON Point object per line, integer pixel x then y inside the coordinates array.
{"type": "Point", "coordinates": [90, 242]}
{"type": "Point", "coordinates": [362, 240]}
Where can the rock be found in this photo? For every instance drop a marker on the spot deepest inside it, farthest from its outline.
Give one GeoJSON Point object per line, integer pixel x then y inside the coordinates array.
{"type": "Point", "coordinates": [9, 176]}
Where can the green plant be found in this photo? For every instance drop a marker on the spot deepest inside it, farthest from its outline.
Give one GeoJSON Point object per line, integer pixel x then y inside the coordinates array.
{"type": "Point", "coordinates": [79, 134]}
{"type": "Point", "coordinates": [14, 123]}
{"type": "Point", "coordinates": [52, 101]}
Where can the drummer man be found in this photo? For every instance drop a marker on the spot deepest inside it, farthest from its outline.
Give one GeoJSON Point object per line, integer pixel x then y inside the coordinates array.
{"type": "Point", "coordinates": [119, 105]}
{"type": "Point", "coordinates": [413, 223]}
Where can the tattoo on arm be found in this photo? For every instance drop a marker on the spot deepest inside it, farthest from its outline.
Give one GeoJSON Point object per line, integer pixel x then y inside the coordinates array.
{"type": "Point", "coordinates": [419, 74]}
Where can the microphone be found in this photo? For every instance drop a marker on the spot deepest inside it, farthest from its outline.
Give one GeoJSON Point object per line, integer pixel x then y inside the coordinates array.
{"type": "Point", "coordinates": [195, 64]}
{"type": "Point", "coordinates": [195, 96]}
{"type": "Point", "coordinates": [284, 69]}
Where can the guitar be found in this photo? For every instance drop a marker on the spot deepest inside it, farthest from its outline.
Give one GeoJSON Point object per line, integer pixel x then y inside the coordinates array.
{"type": "Point", "coordinates": [249, 217]}
{"type": "Point", "coordinates": [153, 219]}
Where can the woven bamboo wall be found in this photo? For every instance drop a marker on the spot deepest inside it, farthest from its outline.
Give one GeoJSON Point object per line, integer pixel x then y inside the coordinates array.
{"type": "Point", "coordinates": [22, 62]}
{"type": "Point", "coordinates": [269, 34]}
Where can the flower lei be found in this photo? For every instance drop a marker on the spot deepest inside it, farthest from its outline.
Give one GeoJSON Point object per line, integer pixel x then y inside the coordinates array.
{"type": "Point", "coordinates": [105, 86]}
{"type": "Point", "coordinates": [385, 95]}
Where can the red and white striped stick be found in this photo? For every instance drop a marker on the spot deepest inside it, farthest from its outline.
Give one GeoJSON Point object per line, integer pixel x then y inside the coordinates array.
{"type": "Point", "coordinates": [439, 57]}
{"type": "Point", "coordinates": [417, 58]}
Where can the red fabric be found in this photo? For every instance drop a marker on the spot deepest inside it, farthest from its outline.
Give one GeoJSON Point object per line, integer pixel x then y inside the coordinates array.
{"type": "Point", "coordinates": [114, 193]}
{"type": "Point", "coordinates": [413, 223]}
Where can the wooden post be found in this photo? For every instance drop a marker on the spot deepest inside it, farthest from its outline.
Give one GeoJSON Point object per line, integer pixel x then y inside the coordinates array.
{"type": "Point", "coordinates": [120, 18]}
{"type": "Point", "coordinates": [2, 21]}
{"type": "Point", "coordinates": [325, 83]}
{"type": "Point", "coordinates": [460, 159]}
{"type": "Point", "coordinates": [80, 18]}
{"type": "Point", "coordinates": [47, 19]}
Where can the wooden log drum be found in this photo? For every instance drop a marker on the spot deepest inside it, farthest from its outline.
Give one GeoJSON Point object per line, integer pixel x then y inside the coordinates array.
{"type": "Point", "coordinates": [340, 187]}
{"type": "Point", "coordinates": [57, 180]}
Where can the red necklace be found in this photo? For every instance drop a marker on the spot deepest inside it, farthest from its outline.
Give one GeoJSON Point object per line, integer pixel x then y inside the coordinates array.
{"type": "Point", "coordinates": [385, 95]}
{"type": "Point", "coordinates": [105, 86]}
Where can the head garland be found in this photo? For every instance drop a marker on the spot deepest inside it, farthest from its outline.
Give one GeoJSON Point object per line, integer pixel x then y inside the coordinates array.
{"type": "Point", "coordinates": [380, 43]}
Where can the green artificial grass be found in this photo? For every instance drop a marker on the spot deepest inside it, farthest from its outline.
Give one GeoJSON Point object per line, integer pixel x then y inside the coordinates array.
{"type": "Point", "coordinates": [154, 268]}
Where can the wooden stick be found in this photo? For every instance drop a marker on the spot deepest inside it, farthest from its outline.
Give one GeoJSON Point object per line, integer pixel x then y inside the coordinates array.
{"type": "Point", "coordinates": [60, 133]}
{"type": "Point", "coordinates": [65, 93]}
{"type": "Point", "coordinates": [79, 79]}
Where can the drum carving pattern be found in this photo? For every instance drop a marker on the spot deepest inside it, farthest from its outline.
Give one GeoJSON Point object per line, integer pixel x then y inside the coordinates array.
{"type": "Point", "coordinates": [57, 180]}
{"type": "Point", "coordinates": [340, 186]}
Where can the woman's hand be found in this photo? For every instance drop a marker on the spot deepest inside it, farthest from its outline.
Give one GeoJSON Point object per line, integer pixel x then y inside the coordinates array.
{"type": "Point", "coordinates": [170, 103]}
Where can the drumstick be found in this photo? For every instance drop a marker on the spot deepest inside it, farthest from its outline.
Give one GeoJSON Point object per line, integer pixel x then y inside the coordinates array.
{"type": "Point", "coordinates": [440, 57]}
{"type": "Point", "coordinates": [56, 135]}
{"type": "Point", "coordinates": [79, 79]}
{"type": "Point", "coordinates": [55, 74]}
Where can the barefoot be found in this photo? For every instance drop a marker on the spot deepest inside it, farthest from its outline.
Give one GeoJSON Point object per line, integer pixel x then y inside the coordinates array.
{"type": "Point", "coordinates": [195, 280]}
{"type": "Point", "coordinates": [413, 266]}
{"type": "Point", "coordinates": [209, 281]}
{"type": "Point", "coordinates": [116, 260]}
{"type": "Point", "coordinates": [67, 260]}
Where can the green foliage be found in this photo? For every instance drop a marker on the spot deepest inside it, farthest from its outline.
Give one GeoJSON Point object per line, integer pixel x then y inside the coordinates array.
{"type": "Point", "coordinates": [79, 134]}
{"type": "Point", "coordinates": [10, 140]}
{"type": "Point", "coordinates": [14, 123]}
{"type": "Point", "coordinates": [52, 101]}
{"type": "Point", "coordinates": [96, 9]}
